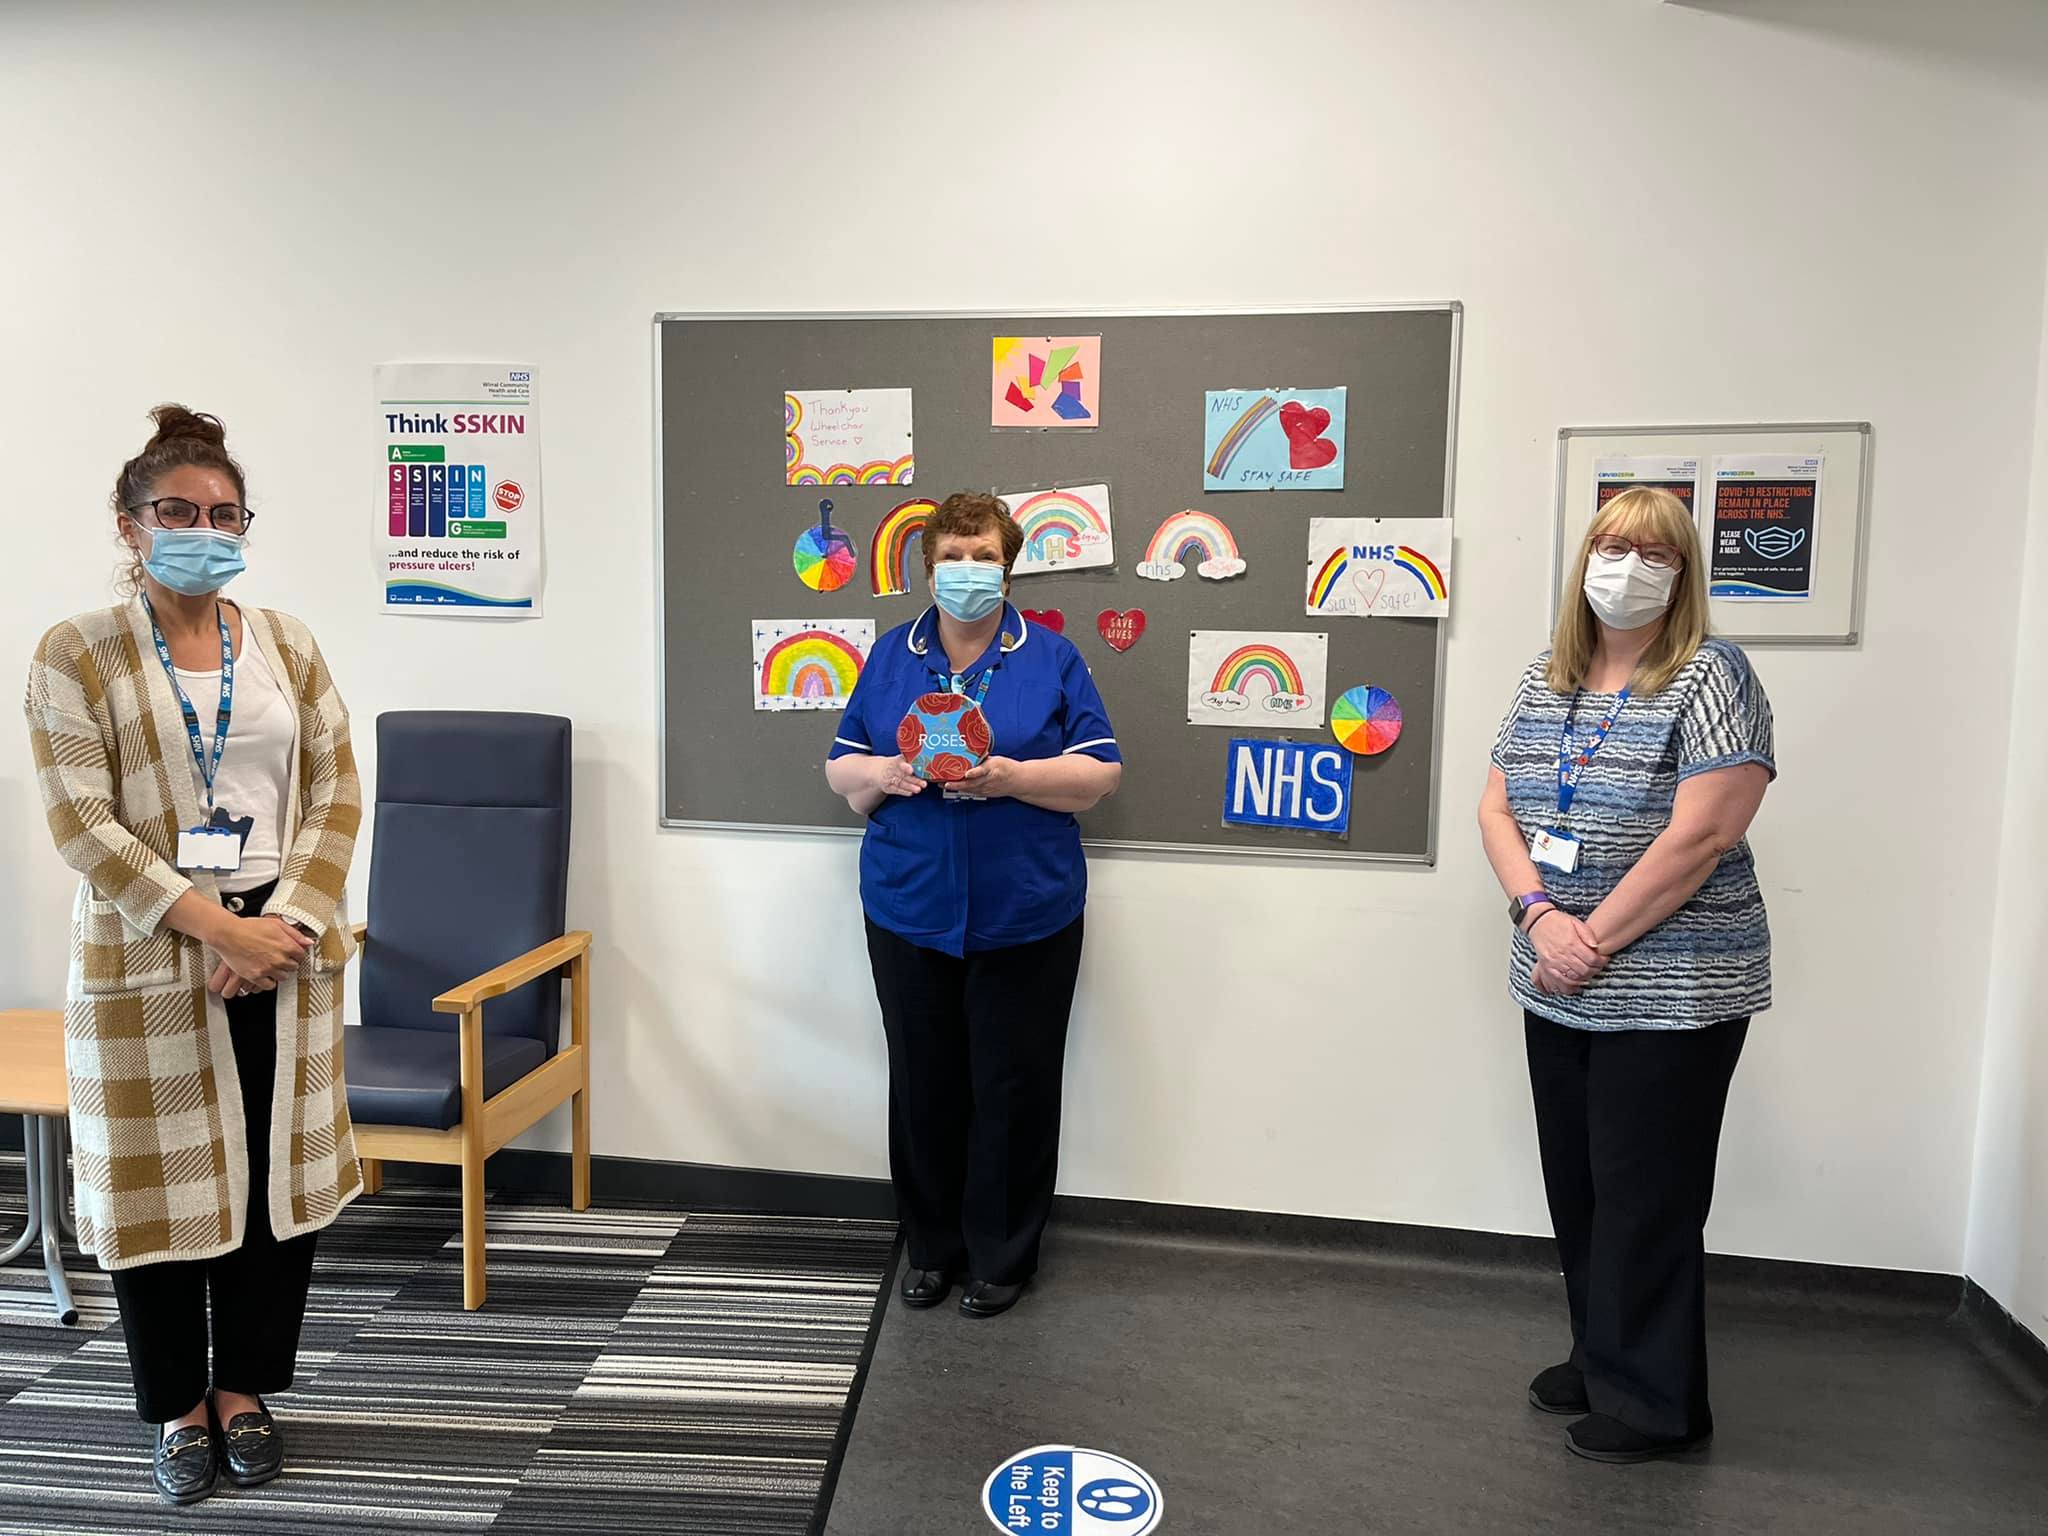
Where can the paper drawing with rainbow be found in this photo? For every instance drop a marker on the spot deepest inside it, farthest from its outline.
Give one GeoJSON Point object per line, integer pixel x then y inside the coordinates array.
{"type": "Point", "coordinates": [889, 555]}
{"type": "Point", "coordinates": [847, 437]}
{"type": "Point", "coordinates": [1379, 567]}
{"type": "Point", "coordinates": [809, 663]}
{"type": "Point", "coordinates": [1273, 439]}
{"type": "Point", "coordinates": [1200, 539]}
{"type": "Point", "coordinates": [1066, 529]}
{"type": "Point", "coordinates": [1246, 679]}
{"type": "Point", "coordinates": [1045, 381]}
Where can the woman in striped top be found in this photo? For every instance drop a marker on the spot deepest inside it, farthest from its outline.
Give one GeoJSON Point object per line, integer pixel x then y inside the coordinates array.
{"type": "Point", "coordinates": [1625, 776]}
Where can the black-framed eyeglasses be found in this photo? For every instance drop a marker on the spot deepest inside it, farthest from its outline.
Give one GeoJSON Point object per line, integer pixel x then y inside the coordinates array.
{"type": "Point", "coordinates": [177, 512]}
{"type": "Point", "coordinates": [1658, 557]}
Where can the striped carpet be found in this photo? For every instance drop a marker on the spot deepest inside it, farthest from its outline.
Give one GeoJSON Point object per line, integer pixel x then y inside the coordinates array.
{"type": "Point", "coordinates": [634, 1370]}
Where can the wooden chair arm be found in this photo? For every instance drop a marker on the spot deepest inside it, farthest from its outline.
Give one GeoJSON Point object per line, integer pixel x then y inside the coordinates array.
{"type": "Point", "coordinates": [360, 932]}
{"type": "Point", "coordinates": [551, 956]}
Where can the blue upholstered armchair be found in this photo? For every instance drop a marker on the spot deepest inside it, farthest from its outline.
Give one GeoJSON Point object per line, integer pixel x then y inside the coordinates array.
{"type": "Point", "coordinates": [459, 1049]}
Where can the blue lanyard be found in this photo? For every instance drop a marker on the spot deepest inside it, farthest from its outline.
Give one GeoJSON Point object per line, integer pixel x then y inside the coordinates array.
{"type": "Point", "coordinates": [208, 772]}
{"type": "Point", "coordinates": [1571, 760]}
{"type": "Point", "coordinates": [988, 675]}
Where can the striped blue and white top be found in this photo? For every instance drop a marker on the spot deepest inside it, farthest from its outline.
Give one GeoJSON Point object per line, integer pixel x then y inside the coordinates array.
{"type": "Point", "coordinates": [1710, 961]}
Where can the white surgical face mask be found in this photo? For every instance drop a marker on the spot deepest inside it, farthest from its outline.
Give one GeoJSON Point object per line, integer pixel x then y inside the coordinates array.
{"type": "Point", "coordinates": [1627, 594]}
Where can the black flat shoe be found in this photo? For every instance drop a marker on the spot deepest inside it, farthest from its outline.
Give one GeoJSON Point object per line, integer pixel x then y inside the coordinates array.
{"type": "Point", "coordinates": [187, 1464]}
{"type": "Point", "coordinates": [1597, 1437]}
{"type": "Point", "coordinates": [1561, 1389]}
{"type": "Point", "coordinates": [251, 1448]}
{"type": "Point", "coordinates": [985, 1299]}
{"type": "Point", "coordinates": [926, 1287]}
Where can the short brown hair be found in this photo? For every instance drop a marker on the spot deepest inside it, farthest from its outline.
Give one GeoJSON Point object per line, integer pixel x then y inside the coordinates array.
{"type": "Point", "coordinates": [970, 514]}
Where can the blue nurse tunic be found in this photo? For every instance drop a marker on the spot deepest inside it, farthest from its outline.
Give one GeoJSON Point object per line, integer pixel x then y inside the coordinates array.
{"type": "Point", "coordinates": [960, 875]}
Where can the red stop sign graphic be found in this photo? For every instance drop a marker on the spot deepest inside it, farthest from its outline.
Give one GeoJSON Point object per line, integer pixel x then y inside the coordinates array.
{"type": "Point", "coordinates": [508, 495]}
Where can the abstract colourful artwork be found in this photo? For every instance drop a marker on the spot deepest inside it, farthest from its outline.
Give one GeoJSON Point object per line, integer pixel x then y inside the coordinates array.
{"type": "Point", "coordinates": [1200, 539]}
{"type": "Point", "coordinates": [1064, 530]}
{"type": "Point", "coordinates": [1379, 567]}
{"type": "Point", "coordinates": [824, 556]}
{"type": "Point", "coordinates": [809, 663]}
{"type": "Point", "coordinates": [889, 554]}
{"type": "Point", "coordinates": [1273, 440]}
{"type": "Point", "coordinates": [1253, 678]}
{"type": "Point", "coordinates": [1366, 721]}
{"type": "Point", "coordinates": [1045, 381]}
{"type": "Point", "coordinates": [847, 437]}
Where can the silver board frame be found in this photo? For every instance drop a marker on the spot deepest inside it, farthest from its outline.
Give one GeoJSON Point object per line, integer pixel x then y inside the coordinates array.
{"type": "Point", "coordinates": [1452, 307]}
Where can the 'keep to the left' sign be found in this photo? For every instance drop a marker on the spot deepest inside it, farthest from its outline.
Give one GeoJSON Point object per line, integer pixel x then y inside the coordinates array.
{"type": "Point", "coordinates": [1299, 784]}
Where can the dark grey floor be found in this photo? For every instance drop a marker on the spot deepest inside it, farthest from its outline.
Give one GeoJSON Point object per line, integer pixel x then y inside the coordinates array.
{"type": "Point", "coordinates": [1338, 1392]}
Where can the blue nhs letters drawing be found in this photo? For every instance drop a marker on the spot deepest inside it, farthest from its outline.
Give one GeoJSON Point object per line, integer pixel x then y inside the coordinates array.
{"type": "Point", "coordinates": [1304, 785]}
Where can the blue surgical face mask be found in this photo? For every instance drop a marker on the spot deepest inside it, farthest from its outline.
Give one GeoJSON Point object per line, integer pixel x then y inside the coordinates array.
{"type": "Point", "coordinates": [194, 561]}
{"type": "Point", "coordinates": [968, 589]}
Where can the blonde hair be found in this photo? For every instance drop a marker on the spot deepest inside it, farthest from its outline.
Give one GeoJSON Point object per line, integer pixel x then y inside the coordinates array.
{"type": "Point", "coordinates": [1650, 515]}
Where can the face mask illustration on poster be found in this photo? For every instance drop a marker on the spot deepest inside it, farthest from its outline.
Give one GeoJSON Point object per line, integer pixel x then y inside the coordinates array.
{"type": "Point", "coordinates": [1766, 519]}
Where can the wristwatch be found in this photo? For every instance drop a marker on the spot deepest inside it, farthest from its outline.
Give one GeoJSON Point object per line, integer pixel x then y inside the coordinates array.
{"type": "Point", "coordinates": [1519, 907]}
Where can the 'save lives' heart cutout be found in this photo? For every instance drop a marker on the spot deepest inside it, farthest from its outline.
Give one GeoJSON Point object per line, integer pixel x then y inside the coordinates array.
{"type": "Point", "coordinates": [1048, 618]}
{"type": "Point", "coordinates": [1121, 630]}
{"type": "Point", "coordinates": [1304, 425]}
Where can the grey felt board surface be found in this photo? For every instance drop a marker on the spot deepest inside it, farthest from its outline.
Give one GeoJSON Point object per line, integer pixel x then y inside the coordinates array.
{"type": "Point", "coordinates": [729, 524]}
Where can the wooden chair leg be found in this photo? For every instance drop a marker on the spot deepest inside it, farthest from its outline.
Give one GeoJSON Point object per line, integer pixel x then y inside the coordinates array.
{"type": "Point", "coordinates": [579, 1157]}
{"type": "Point", "coordinates": [473, 1248]}
{"type": "Point", "coordinates": [373, 1176]}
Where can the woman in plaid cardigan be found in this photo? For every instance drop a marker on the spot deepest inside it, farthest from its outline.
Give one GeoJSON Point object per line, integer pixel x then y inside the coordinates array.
{"type": "Point", "coordinates": [203, 1006]}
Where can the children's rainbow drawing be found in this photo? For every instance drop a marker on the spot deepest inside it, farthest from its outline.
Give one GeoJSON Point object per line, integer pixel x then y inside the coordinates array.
{"type": "Point", "coordinates": [1372, 567]}
{"type": "Point", "coordinates": [1228, 445]}
{"type": "Point", "coordinates": [1240, 678]}
{"type": "Point", "coordinates": [847, 437]}
{"type": "Point", "coordinates": [1064, 529]}
{"type": "Point", "coordinates": [809, 663]}
{"type": "Point", "coordinates": [889, 554]}
{"type": "Point", "coordinates": [875, 472]}
{"type": "Point", "coordinates": [1191, 538]}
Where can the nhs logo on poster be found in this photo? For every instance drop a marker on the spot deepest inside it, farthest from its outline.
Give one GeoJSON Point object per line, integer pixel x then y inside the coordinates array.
{"type": "Point", "coordinates": [1298, 784]}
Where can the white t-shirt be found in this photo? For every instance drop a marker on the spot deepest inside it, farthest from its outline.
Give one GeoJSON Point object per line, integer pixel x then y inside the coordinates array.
{"type": "Point", "coordinates": [255, 770]}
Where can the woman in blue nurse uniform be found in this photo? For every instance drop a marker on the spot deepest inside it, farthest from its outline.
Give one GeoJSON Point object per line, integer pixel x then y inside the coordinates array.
{"type": "Point", "coordinates": [973, 894]}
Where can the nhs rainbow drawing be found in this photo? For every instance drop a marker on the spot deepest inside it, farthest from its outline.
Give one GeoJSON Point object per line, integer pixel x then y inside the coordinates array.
{"type": "Point", "coordinates": [1379, 567]}
{"type": "Point", "coordinates": [1064, 529]}
{"type": "Point", "coordinates": [1193, 538]}
{"type": "Point", "coordinates": [1248, 678]}
{"type": "Point", "coordinates": [809, 663]}
{"type": "Point", "coordinates": [889, 554]}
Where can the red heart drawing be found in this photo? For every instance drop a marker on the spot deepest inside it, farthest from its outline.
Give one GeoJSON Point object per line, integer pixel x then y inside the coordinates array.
{"type": "Point", "coordinates": [1049, 618]}
{"type": "Point", "coordinates": [1304, 425]}
{"type": "Point", "coordinates": [1121, 630]}
{"type": "Point", "coordinates": [1369, 584]}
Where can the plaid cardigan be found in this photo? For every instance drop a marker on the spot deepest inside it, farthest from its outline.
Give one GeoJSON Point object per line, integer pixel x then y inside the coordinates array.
{"type": "Point", "coordinates": [160, 1156]}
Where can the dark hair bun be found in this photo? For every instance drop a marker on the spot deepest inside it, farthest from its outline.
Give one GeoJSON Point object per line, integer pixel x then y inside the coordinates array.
{"type": "Point", "coordinates": [175, 422]}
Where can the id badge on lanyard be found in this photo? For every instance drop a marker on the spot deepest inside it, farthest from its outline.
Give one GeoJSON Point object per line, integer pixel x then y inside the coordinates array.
{"type": "Point", "coordinates": [1553, 847]}
{"type": "Point", "coordinates": [215, 845]}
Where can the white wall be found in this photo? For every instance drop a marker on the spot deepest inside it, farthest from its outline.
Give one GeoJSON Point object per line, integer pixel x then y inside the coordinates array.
{"type": "Point", "coordinates": [2007, 1251]}
{"type": "Point", "coordinates": [245, 208]}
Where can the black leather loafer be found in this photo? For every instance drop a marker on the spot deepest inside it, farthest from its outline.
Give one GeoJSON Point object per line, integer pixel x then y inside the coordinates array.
{"type": "Point", "coordinates": [926, 1287]}
{"type": "Point", "coordinates": [251, 1448]}
{"type": "Point", "coordinates": [984, 1299]}
{"type": "Point", "coordinates": [1599, 1437]}
{"type": "Point", "coordinates": [187, 1464]}
{"type": "Point", "coordinates": [1561, 1389]}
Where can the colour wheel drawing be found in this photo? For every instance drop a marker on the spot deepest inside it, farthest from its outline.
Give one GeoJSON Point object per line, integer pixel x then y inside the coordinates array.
{"type": "Point", "coordinates": [1366, 720]}
{"type": "Point", "coordinates": [824, 557]}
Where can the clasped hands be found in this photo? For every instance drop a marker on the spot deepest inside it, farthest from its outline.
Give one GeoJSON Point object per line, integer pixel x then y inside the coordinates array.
{"type": "Point", "coordinates": [1568, 956]}
{"type": "Point", "coordinates": [256, 954]}
{"type": "Point", "coordinates": [990, 779]}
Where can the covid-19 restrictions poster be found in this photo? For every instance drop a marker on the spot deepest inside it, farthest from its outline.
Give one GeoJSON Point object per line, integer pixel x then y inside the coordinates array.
{"type": "Point", "coordinates": [459, 524]}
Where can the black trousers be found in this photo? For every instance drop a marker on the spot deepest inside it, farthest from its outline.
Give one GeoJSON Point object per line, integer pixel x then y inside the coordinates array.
{"type": "Point", "coordinates": [256, 1295]}
{"type": "Point", "coordinates": [977, 1049]}
{"type": "Point", "coordinates": [1629, 1124]}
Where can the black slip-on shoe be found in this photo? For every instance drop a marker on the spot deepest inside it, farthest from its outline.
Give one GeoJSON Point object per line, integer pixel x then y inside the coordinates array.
{"type": "Point", "coordinates": [187, 1464]}
{"type": "Point", "coordinates": [1599, 1437]}
{"type": "Point", "coordinates": [984, 1298]}
{"type": "Point", "coordinates": [926, 1287]}
{"type": "Point", "coordinates": [1561, 1389]}
{"type": "Point", "coordinates": [252, 1448]}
